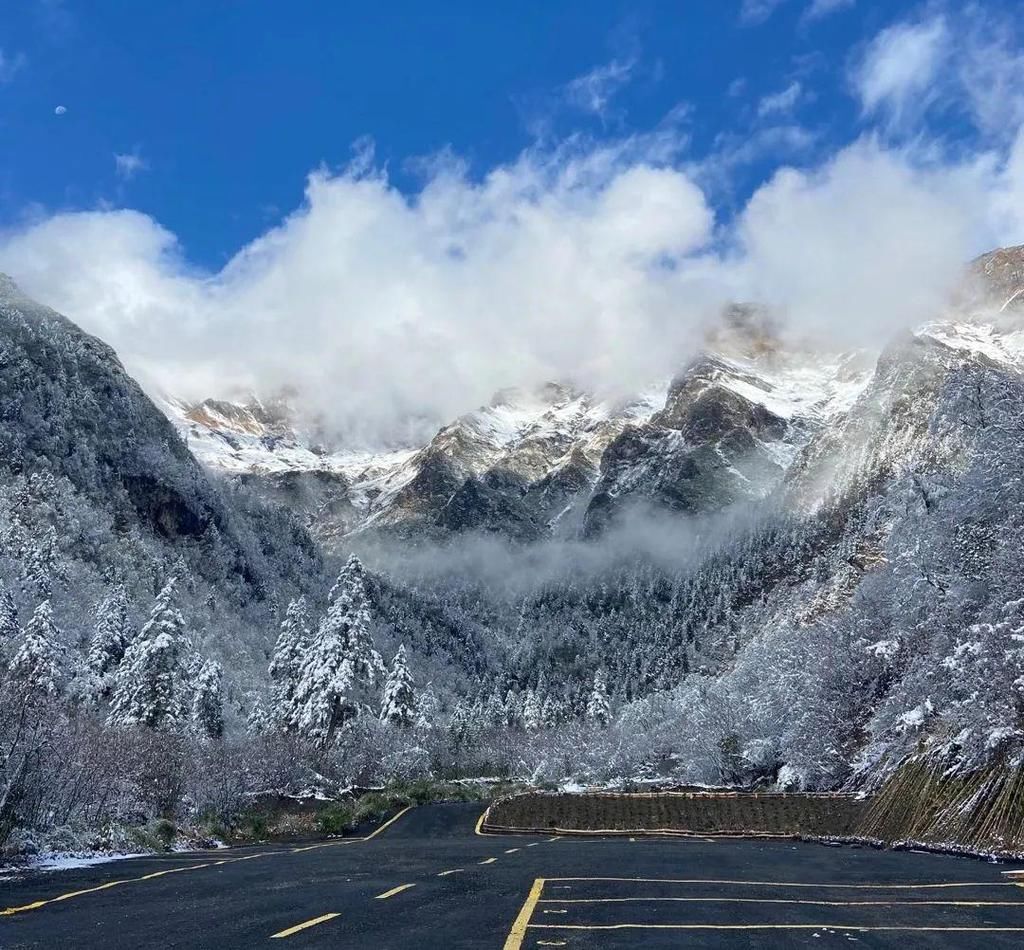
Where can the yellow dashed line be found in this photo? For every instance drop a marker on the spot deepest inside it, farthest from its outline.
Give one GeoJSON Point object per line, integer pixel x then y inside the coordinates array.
{"type": "Point", "coordinates": [393, 892]}
{"type": "Point", "coordinates": [514, 941]}
{"type": "Point", "coordinates": [452, 871]}
{"type": "Point", "coordinates": [303, 926]}
{"type": "Point", "coordinates": [7, 912]}
{"type": "Point", "coordinates": [35, 905]}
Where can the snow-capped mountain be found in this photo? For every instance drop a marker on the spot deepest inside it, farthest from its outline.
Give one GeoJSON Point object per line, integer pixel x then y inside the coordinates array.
{"type": "Point", "coordinates": [552, 459]}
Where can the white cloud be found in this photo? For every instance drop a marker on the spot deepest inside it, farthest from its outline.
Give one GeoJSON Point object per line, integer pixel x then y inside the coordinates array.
{"type": "Point", "coordinates": [866, 244]}
{"type": "Point", "coordinates": [754, 12]}
{"type": "Point", "coordinates": [593, 92]}
{"type": "Point", "coordinates": [128, 165]}
{"type": "Point", "coordinates": [782, 102]}
{"type": "Point", "coordinates": [384, 307]}
{"type": "Point", "coordinates": [898, 71]}
{"type": "Point", "coordinates": [587, 264]}
{"type": "Point", "coordinates": [10, 65]}
{"type": "Point", "coordinates": [823, 8]}
{"type": "Point", "coordinates": [598, 262]}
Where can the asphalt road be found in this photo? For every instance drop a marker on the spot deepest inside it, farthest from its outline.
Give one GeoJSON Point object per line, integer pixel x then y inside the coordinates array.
{"type": "Point", "coordinates": [428, 881]}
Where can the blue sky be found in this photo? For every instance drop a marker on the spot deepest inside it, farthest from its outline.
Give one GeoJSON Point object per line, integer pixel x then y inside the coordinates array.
{"type": "Point", "coordinates": [223, 108]}
{"type": "Point", "coordinates": [405, 208]}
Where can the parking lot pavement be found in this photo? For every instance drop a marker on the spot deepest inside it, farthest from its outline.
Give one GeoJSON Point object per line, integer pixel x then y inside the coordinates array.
{"type": "Point", "coordinates": [606, 913]}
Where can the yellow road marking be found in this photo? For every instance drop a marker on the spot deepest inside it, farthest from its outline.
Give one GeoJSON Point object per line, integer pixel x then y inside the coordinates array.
{"type": "Point", "coordinates": [35, 905]}
{"type": "Point", "coordinates": [769, 900]}
{"type": "Point", "coordinates": [452, 871]}
{"type": "Point", "coordinates": [303, 926]}
{"type": "Point", "coordinates": [393, 892]}
{"type": "Point", "coordinates": [8, 911]}
{"type": "Point", "coordinates": [387, 823]}
{"type": "Point", "coordinates": [480, 821]}
{"type": "Point", "coordinates": [488, 861]}
{"type": "Point", "coordinates": [868, 887]}
{"type": "Point", "coordinates": [771, 927]}
{"type": "Point", "coordinates": [514, 941]}
{"type": "Point", "coordinates": [512, 851]}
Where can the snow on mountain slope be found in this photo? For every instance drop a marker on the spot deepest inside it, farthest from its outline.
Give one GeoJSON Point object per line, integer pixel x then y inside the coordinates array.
{"type": "Point", "coordinates": [522, 464]}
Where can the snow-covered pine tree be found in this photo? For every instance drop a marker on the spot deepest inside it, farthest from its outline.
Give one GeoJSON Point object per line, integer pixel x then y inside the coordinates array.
{"type": "Point", "coordinates": [398, 703]}
{"type": "Point", "coordinates": [286, 663]}
{"type": "Point", "coordinates": [599, 710]}
{"type": "Point", "coordinates": [110, 637]}
{"type": "Point", "coordinates": [41, 663]}
{"type": "Point", "coordinates": [208, 702]}
{"type": "Point", "coordinates": [533, 712]}
{"type": "Point", "coordinates": [9, 628]}
{"type": "Point", "coordinates": [151, 687]}
{"type": "Point", "coordinates": [259, 721]}
{"type": "Point", "coordinates": [41, 562]}
{"type": "Point", "coordinates": [341, 665]}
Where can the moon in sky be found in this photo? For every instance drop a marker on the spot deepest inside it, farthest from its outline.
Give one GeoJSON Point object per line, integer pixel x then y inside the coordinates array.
{"type": "Point", "coordinates": [60, 110]}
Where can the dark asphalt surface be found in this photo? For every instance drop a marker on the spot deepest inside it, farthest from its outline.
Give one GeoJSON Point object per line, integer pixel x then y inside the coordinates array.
{"type": "Point", "coordinates": [651, 893]}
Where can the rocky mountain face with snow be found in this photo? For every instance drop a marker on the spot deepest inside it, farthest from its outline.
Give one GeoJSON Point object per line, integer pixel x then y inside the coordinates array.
{"type": "Point", "coordinates": [552, 461]}
{"type": "Point", "coordinates": [750, 412]}
{"type": "Point", "coordinates": [836, 579]}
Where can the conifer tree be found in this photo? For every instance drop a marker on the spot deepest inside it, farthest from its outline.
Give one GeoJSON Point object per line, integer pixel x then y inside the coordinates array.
{"type": "Point", "coordinates": [9, 628]}
{"type": "Point", "coordinates": [110, 637]}
{"type": "Point", "coordinates": [286, 663]}
{"type": "Point", "coordinates": [533, 712]}
{"type": "Point", "coordinates": [341, 665]}
{"type": "Point", "coordinates": [599, 710]}
{"type": "Point", "coordinates": [208, 702]}
{"type": "Point", "coordinates": [259, 721]}
{"type": "Point", "coordinates": [151, 687]}
{"type": "Point", "coordinates": [40, 663]}
{"type": "Point", "coordinates": [398, 703]}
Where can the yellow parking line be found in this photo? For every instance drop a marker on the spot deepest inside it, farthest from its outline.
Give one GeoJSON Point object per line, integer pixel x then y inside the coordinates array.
{"type": "Point", "coordinates": [868, 887]}
{"type": "Point", "coordinates": [517, 934]}
{"type": "Point", "coordinates": [771, 927]}
{"type": "Point", "coordinates": [487, 861]}
{"type": "Point", "coordinates": [452, 871]}
{"type": "Point", "coordinates": [779, 900]}
{"type": "Point", "coordinates": [303, 926]}
{"type": "Point", "coordinates": [393, 892]}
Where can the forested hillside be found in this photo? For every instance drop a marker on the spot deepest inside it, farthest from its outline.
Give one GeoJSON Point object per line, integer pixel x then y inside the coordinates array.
{"type": "Point", "coordinates": [794, 571]}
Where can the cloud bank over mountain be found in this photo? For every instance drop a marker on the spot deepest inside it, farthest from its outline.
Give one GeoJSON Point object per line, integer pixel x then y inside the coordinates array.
{"type": "Point", "coordinates": [600, 262]}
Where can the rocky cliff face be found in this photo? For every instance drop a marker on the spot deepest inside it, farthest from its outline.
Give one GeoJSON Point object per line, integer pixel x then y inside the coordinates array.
{"type": "Point", "coordinates": [751, 412]}
{"type": "Point", "coordinates": [71, 413]}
